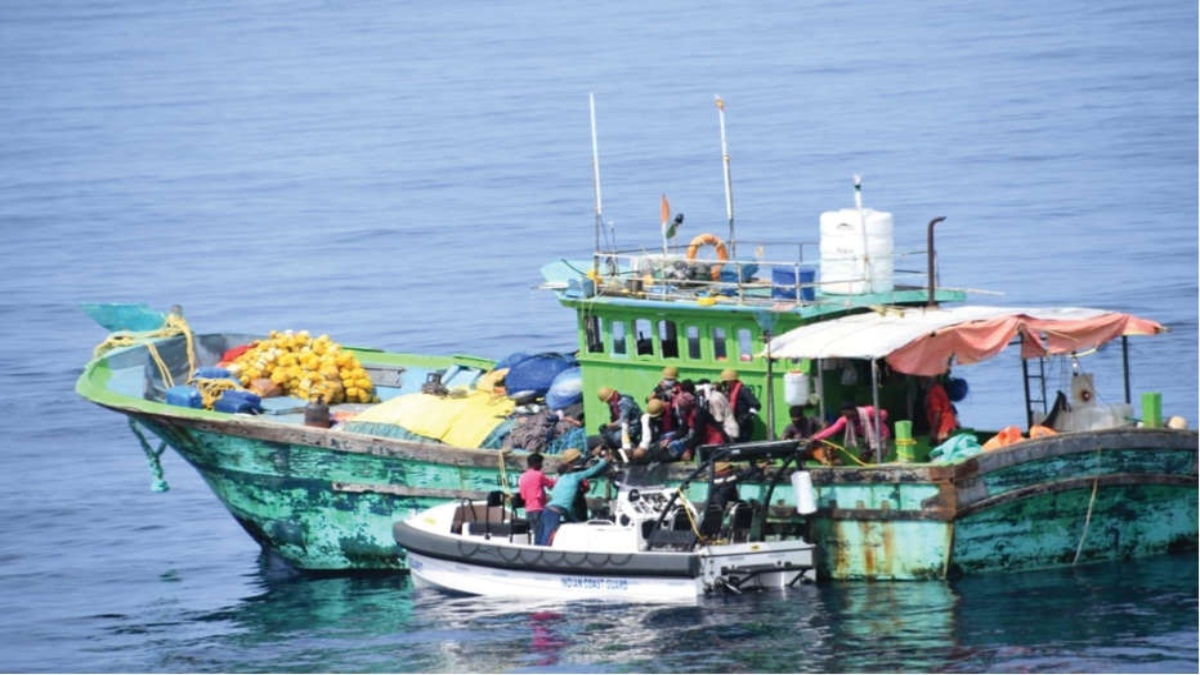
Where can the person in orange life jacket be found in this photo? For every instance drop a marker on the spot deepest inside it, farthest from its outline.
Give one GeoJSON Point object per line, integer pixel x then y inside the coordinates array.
{"type": "Point", "coordinates": [939, 411]}
{"type": "Point", "coordinates": [742, 401]}
{"type": "Point", "coordinates": [624, 422]}
{"type": "Point", "coordinates": [532, 487]}
{"type": "Point", "coordinates": [858, 422]}
{"type": "Point", "coordinates": [572, 473]}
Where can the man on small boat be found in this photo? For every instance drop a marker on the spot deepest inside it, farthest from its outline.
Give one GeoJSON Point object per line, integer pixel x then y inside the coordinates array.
{"type": "Point", "coordinates": [532, 486]}
{"type": "Point", "coordinates": [572, 472]}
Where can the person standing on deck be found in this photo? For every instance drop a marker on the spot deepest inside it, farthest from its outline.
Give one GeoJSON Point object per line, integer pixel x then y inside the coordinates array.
{"type": "Point", "coordinates": [743, 402]}
{"type": "Point", "coordinates": [714, 401]}
{"type": "Point", "coordinates": [939, 411]}
{"type": "Point", "coordinates": [562, 497]}
{"type": "Point", "coordinates": [532, 487]}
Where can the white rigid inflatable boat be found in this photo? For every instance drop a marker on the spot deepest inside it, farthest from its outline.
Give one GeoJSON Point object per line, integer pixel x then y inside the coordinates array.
{"type": "Point", "coordinates": [648, 543]}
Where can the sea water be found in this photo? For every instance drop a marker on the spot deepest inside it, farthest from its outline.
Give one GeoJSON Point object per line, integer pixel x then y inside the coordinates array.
{"type": "Point", "coordinates": [394, 174]}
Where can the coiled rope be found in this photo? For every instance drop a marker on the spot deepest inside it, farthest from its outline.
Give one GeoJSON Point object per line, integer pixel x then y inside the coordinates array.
{"type": "Point", "coordinates": [174, 325]}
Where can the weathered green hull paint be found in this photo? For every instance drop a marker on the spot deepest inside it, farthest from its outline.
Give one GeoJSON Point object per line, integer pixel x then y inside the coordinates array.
{"type": "Point", "coordinates": [326, 499]}
{"type": "Point", "coordinates": [325, 509]}
{"type": "Point", "coordinates": [1065, 500]}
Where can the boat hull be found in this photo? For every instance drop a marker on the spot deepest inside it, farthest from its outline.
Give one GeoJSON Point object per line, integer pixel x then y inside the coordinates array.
{"type": "Point", "coordinates": [458, 577]}
{"type": "Point", "coordinates": [326, 501]}
{"type": "Point", "coordinates": [1060, 501]}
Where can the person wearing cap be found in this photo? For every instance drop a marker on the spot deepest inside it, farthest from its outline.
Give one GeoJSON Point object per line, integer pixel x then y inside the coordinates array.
{"type": "Point", "coordinates": [668, 386]}
{"type": "Point", "coordinates": [721, 493]}
{"type": "Point", "coordinates": [624, 419]}
{"type": "Point", "coordinates": [717, 422]}
{"type": "Point", "coordinates": [572, 474]}
{"type": "Point", "coordinates": [742, 401]}
{"type": "Point", "coordinates": [532, 487]}
{"type": "Point", "coordinates": [654, 438]}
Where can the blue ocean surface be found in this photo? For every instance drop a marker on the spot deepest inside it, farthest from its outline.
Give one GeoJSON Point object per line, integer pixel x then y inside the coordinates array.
{"type": "Point", "coordinates": [394, 174]}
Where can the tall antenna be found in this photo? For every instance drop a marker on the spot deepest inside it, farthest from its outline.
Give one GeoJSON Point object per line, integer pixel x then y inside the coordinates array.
{"type": "Point", "coordinates": [596, 181]}
{"type": "Point", "coordinates": [728, 183]}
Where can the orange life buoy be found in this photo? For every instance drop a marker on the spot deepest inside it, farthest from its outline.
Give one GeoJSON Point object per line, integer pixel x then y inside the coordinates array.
{"type": "Point", "coordinates": [715, 242]}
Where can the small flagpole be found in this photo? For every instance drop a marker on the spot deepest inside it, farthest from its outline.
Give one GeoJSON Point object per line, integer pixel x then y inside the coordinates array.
{"type": "Point", "coordinates": [862, 218]}
{"type": "Point", "coordinates": [728, 183]}
{"type": "Point", "coordinates": [596, 183]}
{"type": "Point", "coordinates": [666, 219]}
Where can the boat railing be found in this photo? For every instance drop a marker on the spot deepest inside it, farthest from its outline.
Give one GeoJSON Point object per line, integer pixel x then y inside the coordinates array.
{"type": "Point", "coordinates": [776, 273]}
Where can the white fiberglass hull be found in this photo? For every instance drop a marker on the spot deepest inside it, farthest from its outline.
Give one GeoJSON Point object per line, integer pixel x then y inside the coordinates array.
{"type": "Point", "coordinates": [462, 577]}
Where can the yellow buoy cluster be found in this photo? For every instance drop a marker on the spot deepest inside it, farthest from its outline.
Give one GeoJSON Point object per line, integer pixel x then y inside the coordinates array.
{"type": "Point", "coordinates": [307, 368]}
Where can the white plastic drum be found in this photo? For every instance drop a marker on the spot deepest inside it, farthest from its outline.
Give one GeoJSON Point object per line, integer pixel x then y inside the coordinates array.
{"type": "Point", "coordinates": [842, 247]}
{"type": "Point", "coordinates": [806, 500]}
{"type": "Point", "coordinates": [795, 387]}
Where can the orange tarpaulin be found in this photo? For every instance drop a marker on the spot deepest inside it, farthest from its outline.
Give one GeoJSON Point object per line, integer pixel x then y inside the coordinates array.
{"type": "Point", "coordinates": [975, 341]}
{"type": "Point", "coordinates": [924, 341]}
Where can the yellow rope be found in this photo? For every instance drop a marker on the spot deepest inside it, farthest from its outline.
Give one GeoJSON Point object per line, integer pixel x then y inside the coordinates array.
{"type": "Point", "coordinates": [846, 452]}
{"type": "Point", "coordinates": [503, 472]}
{"type": "Point", "coordinates": [1091, 504]}
{"type": "Point", "coordinates": [174, 325]}
{"type": "Point", "coordinates": [211, 389]}
{"type": "Point", "coordinates": [690, 517]}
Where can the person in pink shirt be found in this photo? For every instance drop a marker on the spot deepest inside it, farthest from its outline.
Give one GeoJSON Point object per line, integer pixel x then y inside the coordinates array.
{"type": "Point", "coordinates": [532, 486]}
{"type": "Point", "coordinates": [859, 424]}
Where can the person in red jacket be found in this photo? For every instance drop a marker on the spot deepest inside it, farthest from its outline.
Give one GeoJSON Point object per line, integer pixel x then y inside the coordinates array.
{"type": "Point", "coordinates": [943, 419]}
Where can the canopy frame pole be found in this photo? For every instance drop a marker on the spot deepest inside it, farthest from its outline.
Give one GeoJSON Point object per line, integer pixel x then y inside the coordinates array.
{"type": "Point", "coordinates": [821, 389]}
{"type": "Point", "coordinates": [1024, 379]}
{"type": "Point", "coordinates": [1125, 367]}
{"type": "Point", "coordinates": [931, 254]}
{"type": "Point", "coordinates": [770, 389]}
{"type": "Point", "coordinates": [878, 416]}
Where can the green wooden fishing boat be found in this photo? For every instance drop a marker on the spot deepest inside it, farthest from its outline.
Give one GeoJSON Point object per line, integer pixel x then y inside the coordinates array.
{"type": "Point", "coordinates": [325, 499]}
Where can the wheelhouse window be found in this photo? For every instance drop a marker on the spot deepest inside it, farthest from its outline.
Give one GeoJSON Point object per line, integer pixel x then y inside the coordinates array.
{"type": "Point", "coordinates": [617, 329]}
{"type": "Point", "coordinates": [668, 338]}
{"type": "Point", "coordinates": [593, 334]}
{"type": "Point", "coordinates": [720, 351]}
{"type": "Point", "coordinates": [693, 342]}
{"type": "Point", "coordinates": [745, 344]}
{"type": "Point", "coordinates": [645, 337]}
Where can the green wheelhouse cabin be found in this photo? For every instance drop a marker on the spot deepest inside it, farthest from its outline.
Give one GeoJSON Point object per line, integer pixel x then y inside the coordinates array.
{"type": "Point", "coordinates": [636, 313]}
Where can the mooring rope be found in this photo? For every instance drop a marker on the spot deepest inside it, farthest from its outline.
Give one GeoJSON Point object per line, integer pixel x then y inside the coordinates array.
{"type": "Point", "coordinates": [153, 458]}
{"type": "Point", "coordinates": [1091, 504]}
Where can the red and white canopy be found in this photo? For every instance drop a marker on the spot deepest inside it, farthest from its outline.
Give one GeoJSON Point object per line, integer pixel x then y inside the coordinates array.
{"type": "Point", "coordinates": [922, 340]}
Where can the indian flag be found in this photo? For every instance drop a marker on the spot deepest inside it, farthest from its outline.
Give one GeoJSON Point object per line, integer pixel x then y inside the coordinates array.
{"type": "Point", "coordinates": [668, 226]}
